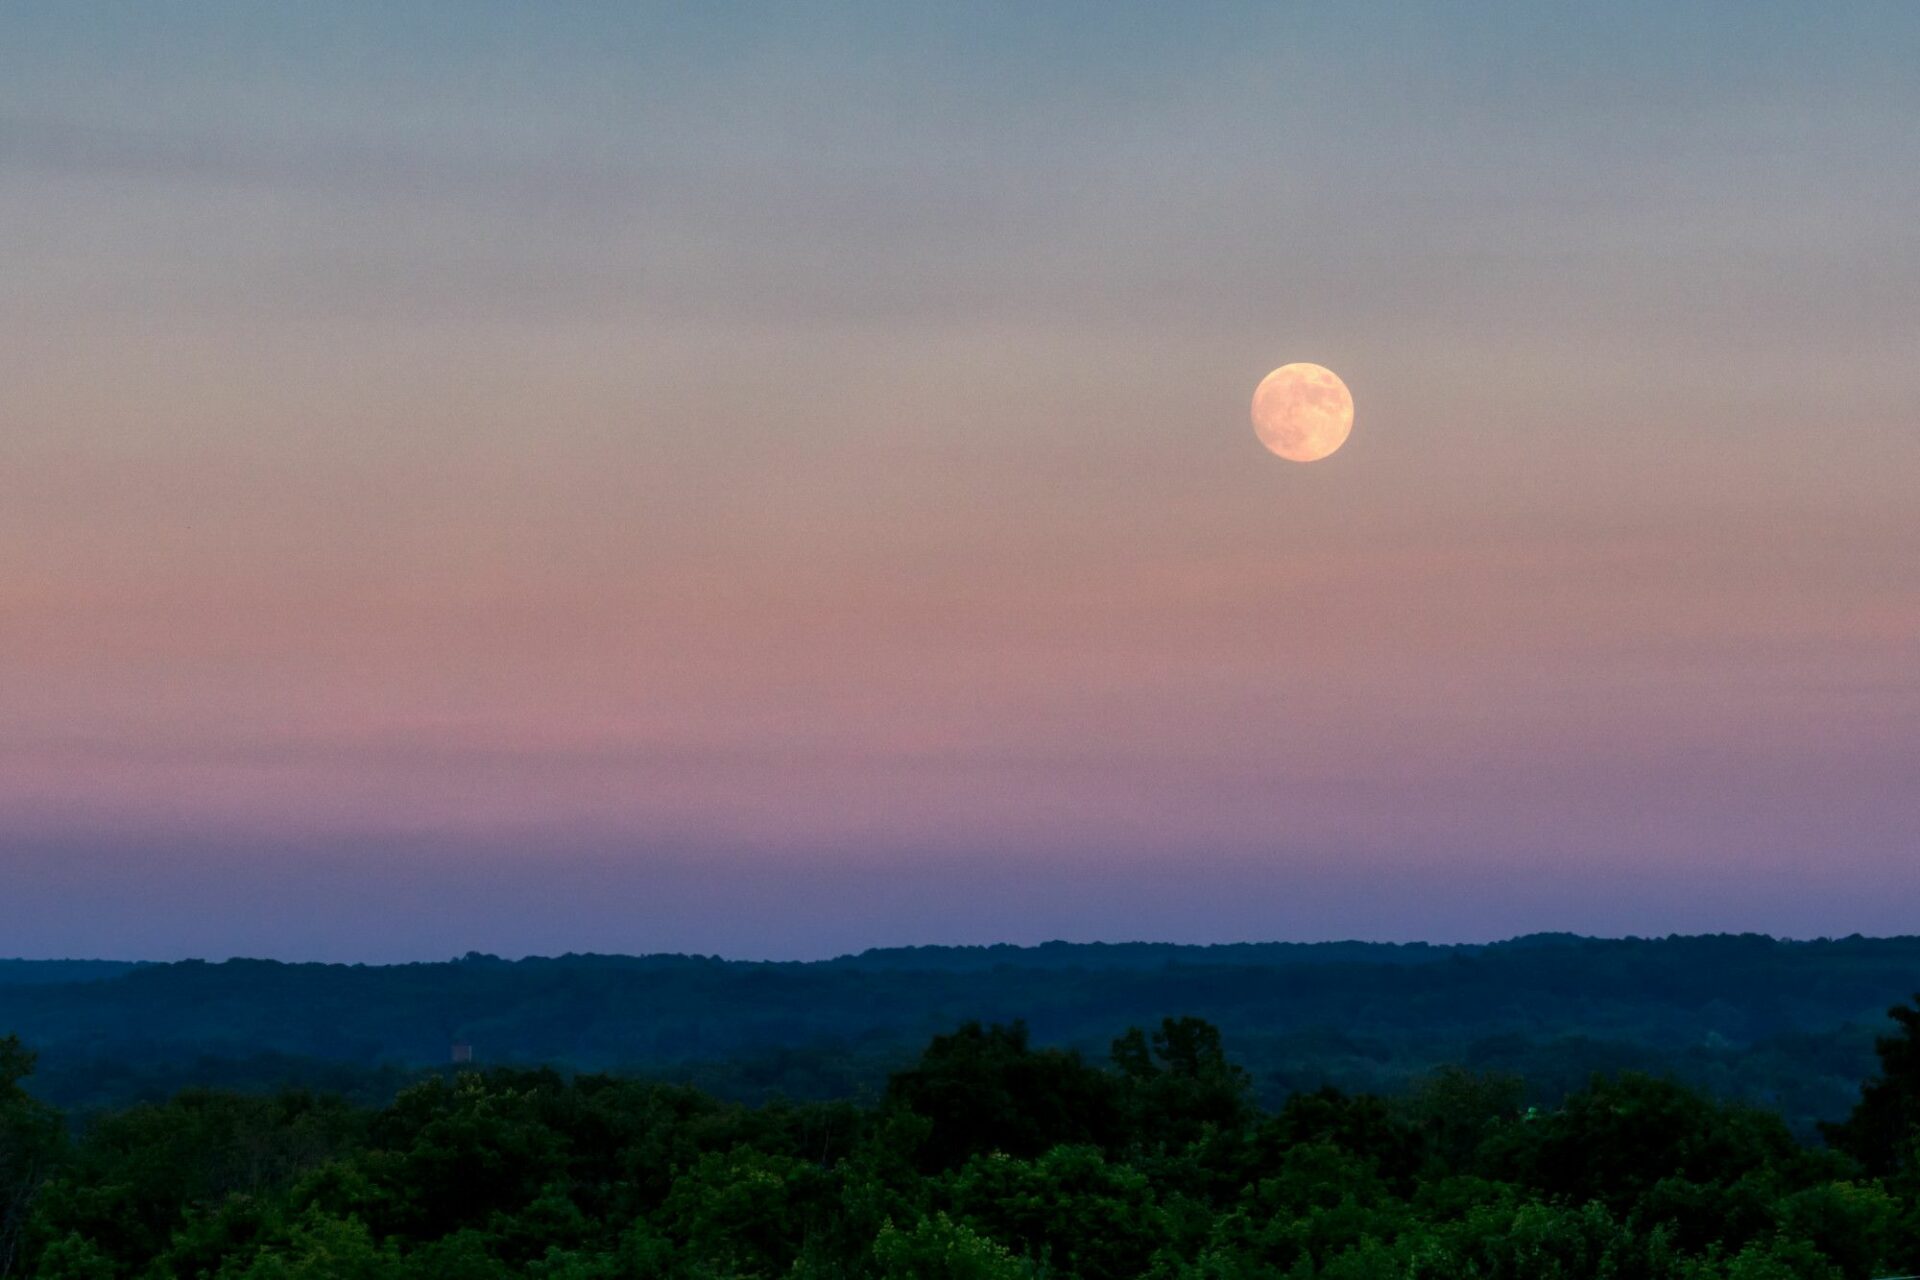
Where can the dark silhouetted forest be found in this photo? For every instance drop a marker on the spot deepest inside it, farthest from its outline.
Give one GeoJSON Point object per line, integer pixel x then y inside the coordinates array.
{"type": "Point", "coordinates": [985, 1157]}
{"type": "Point", "coordinates": [1787, 1026]}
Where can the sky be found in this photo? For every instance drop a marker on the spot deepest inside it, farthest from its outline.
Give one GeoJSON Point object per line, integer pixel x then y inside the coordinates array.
{"type": "Point", "coordinates": [773, 480]}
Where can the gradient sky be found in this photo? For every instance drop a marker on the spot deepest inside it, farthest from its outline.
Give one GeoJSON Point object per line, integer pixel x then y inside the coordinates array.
{"type": "Point", "coordinates": [774, 480]}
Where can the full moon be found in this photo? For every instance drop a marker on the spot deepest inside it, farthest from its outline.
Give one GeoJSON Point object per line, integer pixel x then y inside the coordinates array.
{"type": "Point", "coordinates": [1302, 412]}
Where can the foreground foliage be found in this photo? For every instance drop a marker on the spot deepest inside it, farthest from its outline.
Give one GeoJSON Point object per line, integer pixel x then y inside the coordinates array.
{"type": "Point", "coordinates": [987, 1159]}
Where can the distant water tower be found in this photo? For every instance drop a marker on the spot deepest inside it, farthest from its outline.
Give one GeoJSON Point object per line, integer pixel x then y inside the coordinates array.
{"type": "Point", "coordinates": [462, 1051]}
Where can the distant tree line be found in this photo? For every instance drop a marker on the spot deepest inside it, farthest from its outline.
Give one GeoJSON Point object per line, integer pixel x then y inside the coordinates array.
{"type": "Point", "coordinates": [987, 1157]}
{"type": "Point", "coordinates": [1788, 1026]}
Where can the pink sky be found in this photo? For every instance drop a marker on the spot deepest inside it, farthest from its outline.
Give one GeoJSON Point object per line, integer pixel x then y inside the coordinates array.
{"type": "Point", "coordinates": [794, 520]}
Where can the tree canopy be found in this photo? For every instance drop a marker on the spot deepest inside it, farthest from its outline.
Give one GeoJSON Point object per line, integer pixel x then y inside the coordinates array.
{"type": "Point", "coordinates": [987, 1158]}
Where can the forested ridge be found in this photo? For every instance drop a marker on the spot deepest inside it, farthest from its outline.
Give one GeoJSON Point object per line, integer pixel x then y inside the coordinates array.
{"type": "Point", "coordinates": [1784, 1025]}
{"type": "Point", "coordinates": [985, 1158]}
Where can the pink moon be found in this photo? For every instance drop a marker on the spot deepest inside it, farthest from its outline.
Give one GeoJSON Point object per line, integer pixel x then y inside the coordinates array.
{"type": "Point", "coordinates": [1302, 412]}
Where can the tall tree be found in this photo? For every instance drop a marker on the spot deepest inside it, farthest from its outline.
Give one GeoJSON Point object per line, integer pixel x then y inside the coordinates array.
{"type": "Point", "coordinates": [1883, 1132]}
{"type": "Point", "coordinates": [30, 1145]}
{"type": "Point", "coordinates": [987, 1089]}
